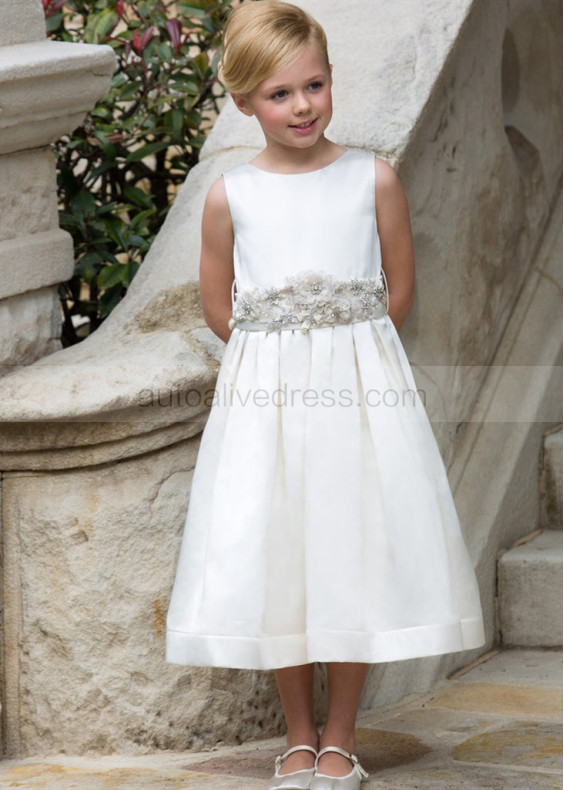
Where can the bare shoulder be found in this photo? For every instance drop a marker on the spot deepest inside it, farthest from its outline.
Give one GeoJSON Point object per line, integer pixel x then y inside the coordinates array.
{"type": "Point", "coordinates": [216, 218]}
{"type": "Point", "coordinates": [216, 199]}
{"type": "Point", "coordinates": [391, 200]}
{"type": "Point", "coordinates": [387, 180]}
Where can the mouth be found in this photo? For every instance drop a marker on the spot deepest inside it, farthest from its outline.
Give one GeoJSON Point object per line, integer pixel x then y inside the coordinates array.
{"type": "Point", "coordinates": [304, 125]}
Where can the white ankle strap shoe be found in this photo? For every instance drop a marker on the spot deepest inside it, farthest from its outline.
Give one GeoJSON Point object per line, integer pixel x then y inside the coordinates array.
{"type": "Point", "coordinates": [297, 780]}
{"type": "Point", "coordinates": [349, 782]}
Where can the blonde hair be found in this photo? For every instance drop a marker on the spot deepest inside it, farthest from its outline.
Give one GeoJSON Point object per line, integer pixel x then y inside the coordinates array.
{"type": "Point", "coordinates": [262, 36]}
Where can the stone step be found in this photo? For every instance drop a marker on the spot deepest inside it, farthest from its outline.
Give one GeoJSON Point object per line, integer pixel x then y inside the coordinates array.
{"type": "Point", "coordinates": [530, 592]}
{"type": "Point", "coordinates": [551, 482]}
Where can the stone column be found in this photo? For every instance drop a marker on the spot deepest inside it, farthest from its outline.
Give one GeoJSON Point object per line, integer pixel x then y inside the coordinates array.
{"type": "Point", "coordinates": [46, 87]}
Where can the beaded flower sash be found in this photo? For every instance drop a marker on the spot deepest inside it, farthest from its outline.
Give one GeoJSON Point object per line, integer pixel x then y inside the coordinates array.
{"type": "Point", "coordinates": [311, 299]}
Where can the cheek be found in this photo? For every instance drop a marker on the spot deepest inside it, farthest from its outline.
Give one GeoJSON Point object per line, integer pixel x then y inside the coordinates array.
{"type": "Point", "coordinates": [274, 114]}
{"type": "Point", "coordinates": [324, 101]}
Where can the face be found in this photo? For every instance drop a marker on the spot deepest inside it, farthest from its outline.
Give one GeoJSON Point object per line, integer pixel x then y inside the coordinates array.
{"type": "Point", "coordinates": [293, 105]}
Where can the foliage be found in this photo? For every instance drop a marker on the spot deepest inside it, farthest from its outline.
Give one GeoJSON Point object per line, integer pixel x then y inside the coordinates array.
{"type": "Point", "coordinates": [118, 172]}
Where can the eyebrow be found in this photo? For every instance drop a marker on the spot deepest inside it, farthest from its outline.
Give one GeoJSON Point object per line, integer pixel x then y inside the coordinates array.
{"type": "Point", "coordinates": [310, 79]}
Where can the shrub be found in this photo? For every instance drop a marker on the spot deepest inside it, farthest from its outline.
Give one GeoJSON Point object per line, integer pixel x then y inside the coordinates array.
{"type": "Point", "coordinates": [118, 172]}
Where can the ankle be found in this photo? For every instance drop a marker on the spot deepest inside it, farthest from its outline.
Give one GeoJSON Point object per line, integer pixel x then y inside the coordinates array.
{"type": "Point", "coordinates": [303, 736]}
{"type": "Point", "coordinates": [338, 737]}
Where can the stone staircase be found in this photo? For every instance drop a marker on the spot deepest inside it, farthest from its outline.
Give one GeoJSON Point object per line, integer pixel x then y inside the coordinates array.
{"type": "Point", "coordinates": [529, 593]}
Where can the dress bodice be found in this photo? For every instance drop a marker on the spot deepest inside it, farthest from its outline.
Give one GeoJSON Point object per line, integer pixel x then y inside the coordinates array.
{"type": "Point", "coordinates": [288, 223]}
{"type": "Point", "coordinates": [290, 228]}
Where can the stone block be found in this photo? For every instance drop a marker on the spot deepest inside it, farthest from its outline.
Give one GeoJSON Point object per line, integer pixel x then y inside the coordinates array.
{"type": "Point", "coordinates": [503, 699]}
{"type": "Point", "coordinates": [30, 328]}
{"type": "Point", "coordinates": [47, 88]}
{"type": "Point", "coordinates": [35, 261]}
{"type": "Point", "coordinates": [20, 22]}
{"type": "Point", "coordinates": [530, 592]}
{"type": "Point", "coordinates": [551, 482]}
{"type": "Point", "coordinates": [28, 195]}
{"type": "Point", "coordinates": [91, 556]}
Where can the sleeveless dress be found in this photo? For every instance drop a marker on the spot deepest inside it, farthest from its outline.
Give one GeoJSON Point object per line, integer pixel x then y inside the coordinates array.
{"type": "Point", "coordinates": [320, 525]}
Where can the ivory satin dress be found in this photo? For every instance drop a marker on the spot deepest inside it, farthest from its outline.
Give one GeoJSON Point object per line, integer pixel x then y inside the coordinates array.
{"type": "Point", "coordinates": [320, 525]}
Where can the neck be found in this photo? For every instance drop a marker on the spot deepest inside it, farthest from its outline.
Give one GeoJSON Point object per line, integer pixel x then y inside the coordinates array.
{"type": "Point", "coordinates": [289, 159]}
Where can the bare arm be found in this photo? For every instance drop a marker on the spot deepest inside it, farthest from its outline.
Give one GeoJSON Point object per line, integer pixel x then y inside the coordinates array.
{"type": "Point", "coordinates": [396, 242]}
{"type": "Point", "coordinates": [216, 261]}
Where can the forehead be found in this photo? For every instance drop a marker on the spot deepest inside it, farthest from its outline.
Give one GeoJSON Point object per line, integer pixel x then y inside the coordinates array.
{"type": "Point", "coordinates": [308, 63]}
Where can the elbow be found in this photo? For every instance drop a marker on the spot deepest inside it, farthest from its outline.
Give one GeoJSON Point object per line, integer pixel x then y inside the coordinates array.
{"type": "Point", "coordinates": [218, 322]}
{"type": "Point", "coordinates": [402, 301]}
{"type": "Point", "coordinates": [400, 305]}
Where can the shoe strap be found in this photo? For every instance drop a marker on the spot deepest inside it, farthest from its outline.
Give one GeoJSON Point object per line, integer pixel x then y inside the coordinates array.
{"type": "Point", "coordinates": [352, 757]}
{"type": "Point", "coordinates": [282, 757]}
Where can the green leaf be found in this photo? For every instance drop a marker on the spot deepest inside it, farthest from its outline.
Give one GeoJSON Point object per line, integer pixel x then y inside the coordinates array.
{"type": "Point", "coordinates": [192, 9]}
{"type": "Point", "coordinates": [103, 167]}
{"type": "Point", "coordinates": [130, 270]}
{"type": "Point", "coordinates": [109, 299]}
{"type": "Point", "coordinates": [201, 62]}
{"type": "Point", "coordinates": [117, 231]}
{"type": "Point", "coordinates": [102, 24]}
{"type": "Point", "coordinates": [84, 202]}
{"type": "Point", "coordinates": [86, 267]}
{"type": "Point", "coordinates": [53, 23]}
{"type": "Point", "coordinates": [129, 91]}
{"type": "Point", "coordinates": [137, 222]}
{"type": "Point", "coordinates": [107, 208]}
{"type": "Point", "coordinates": [137, 196]}
{"type": "Point", "coordinates": [101, 111]}
{"type": "Point", "coordinates": [164, 50]}
{"type": "Point", "coordinates": [146, 150]}
{"type": "Point", "coordinates": [111, 275]}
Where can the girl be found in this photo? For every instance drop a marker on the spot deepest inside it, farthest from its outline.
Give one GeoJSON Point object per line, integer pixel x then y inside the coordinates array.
{"type": "Point", "coordinates": [321, 526]}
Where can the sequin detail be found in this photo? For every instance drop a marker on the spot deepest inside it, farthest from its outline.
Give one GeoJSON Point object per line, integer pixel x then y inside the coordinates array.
{"type": "Point", "coordinates": [312, 299]}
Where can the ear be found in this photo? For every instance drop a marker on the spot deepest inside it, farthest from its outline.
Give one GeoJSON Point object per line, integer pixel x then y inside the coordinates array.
{"type": "Point", "coordinates": [242, 104]}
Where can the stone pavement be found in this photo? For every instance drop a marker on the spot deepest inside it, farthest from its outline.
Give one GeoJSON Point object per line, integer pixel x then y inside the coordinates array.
{"type": "Point", "coordinates": [494, 724]}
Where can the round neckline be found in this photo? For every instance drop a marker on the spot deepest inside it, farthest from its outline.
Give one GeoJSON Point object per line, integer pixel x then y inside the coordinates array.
{"type": "Point", "coordinates": [306, 172]}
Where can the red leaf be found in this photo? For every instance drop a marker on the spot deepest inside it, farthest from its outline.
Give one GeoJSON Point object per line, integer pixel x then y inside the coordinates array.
{"type": "Point", "coordinates": [136, 42]}
{"type": "Point", "coordinates": [52, 6]}
{"type": "Point", "coordinates": [174, 28]}
{"type": "Point", "coordinates": [119, 7]}
{"type": "Point", "coordinates": [146, 37]}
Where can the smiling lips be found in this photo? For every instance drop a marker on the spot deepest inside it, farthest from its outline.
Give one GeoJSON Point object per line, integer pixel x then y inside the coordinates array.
{"type": "Point", "coordinates": [303, 127]}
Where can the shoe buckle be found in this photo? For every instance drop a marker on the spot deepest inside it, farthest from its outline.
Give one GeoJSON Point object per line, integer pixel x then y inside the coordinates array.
{"type": "Point", "coordinates": [358, 767]}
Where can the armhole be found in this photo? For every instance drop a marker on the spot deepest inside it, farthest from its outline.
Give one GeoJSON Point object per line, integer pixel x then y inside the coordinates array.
{"type": "Point", "coordinates": [226, 186]}
{"type": "Point", "coordinates": [383, 273]}
{"type": "Point", "coordinates": [229, 201]}
{"type": "Point", "coordinates": [374, 183]}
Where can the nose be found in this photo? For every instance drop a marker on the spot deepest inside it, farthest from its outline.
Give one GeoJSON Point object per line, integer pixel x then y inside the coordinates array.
{"type": "Point", "coordinates": [301, 103]}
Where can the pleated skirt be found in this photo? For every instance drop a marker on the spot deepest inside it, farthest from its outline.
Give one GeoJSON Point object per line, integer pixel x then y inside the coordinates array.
{"type": "Point", "coordinates": [320, 524]}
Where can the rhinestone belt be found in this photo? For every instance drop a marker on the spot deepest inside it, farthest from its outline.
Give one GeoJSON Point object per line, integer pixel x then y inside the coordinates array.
{"type": "Point", "coordinates": [308, 300]}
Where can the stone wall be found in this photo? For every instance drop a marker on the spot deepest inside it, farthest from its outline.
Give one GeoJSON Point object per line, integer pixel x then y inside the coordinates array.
{"type": "Point", "coordinates": [96, 478]}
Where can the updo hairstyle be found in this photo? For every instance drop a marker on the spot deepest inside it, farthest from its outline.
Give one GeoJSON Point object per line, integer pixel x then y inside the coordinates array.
{"type": "Point", "coordinates": [261, 37]}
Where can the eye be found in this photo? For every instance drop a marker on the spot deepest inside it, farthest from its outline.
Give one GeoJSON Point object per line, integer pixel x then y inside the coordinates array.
{"type": "Point", "coordinates": [279, 94]}
{"type": "Point", "coordinates": [316, 85]}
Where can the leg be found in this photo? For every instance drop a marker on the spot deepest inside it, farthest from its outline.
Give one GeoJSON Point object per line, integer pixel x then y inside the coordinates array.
{"type": "Point", "coordinates": [346, 681]}
{"type": "Point", "coordinates": [295, 686]}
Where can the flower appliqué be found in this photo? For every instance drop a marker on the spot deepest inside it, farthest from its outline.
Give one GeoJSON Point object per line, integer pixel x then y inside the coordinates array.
{"type": "Point", "coordinates": [312, 299]}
